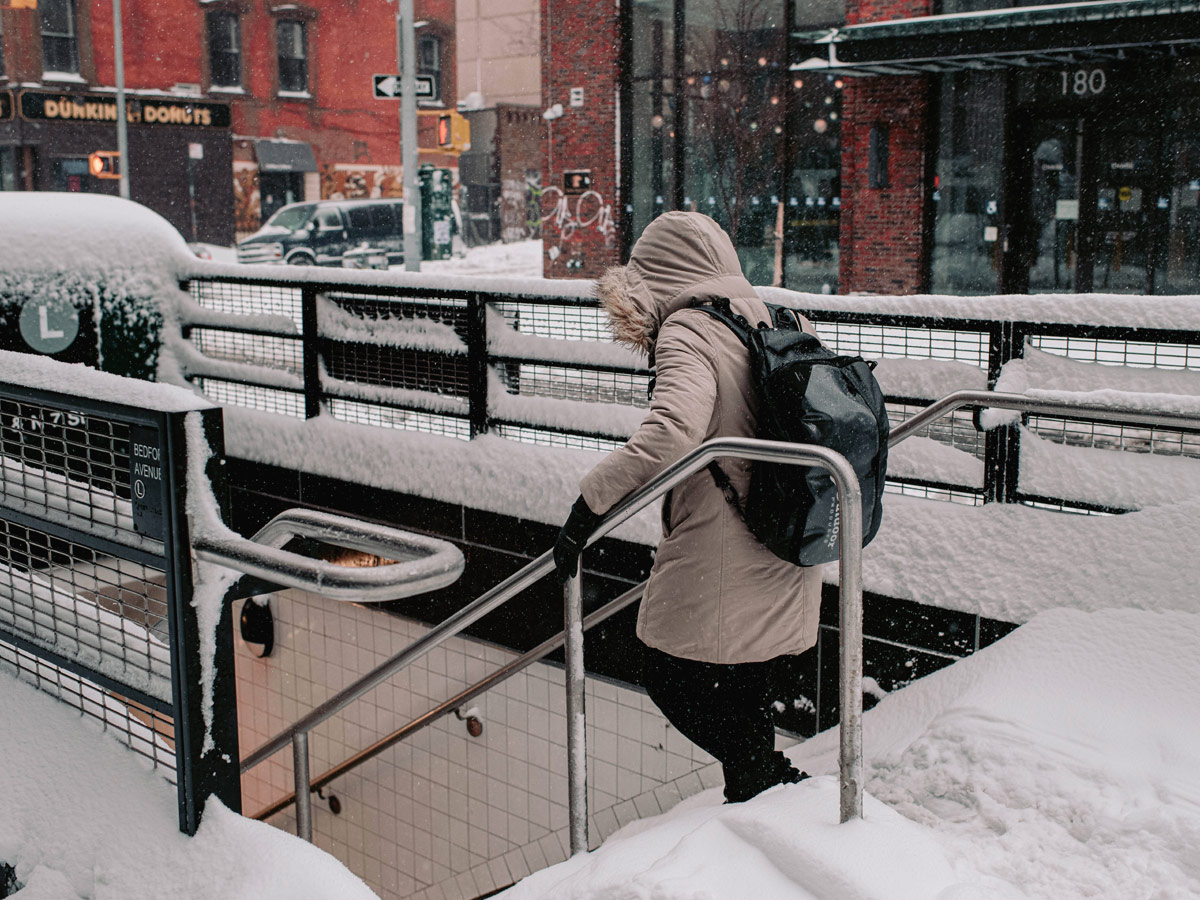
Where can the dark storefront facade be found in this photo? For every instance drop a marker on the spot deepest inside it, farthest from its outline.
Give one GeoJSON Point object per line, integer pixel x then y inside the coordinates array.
{"type": "Point", "coordinates": [1060, 143]}
{"type": "Point", "coordinates": [181, 148]}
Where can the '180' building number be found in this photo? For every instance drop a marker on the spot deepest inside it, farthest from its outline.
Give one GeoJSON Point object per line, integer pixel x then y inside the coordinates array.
{"type": "Point", "coordinates": [1084, 82]}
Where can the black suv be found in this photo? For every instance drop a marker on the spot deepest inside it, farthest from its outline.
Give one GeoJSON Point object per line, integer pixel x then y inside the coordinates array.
{"type": "Point", "coordinates": [320, 233]}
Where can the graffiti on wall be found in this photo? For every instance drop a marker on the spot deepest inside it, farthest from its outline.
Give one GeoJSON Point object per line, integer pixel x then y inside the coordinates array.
{"type": "Point", "coordinates": [570, 216]}
{"type": "Point", "coordinates": [343, 182]}
{"type": "Point", "coordinates": [520, 210]}
{"type": "Point", "coordinates": [246, 207]}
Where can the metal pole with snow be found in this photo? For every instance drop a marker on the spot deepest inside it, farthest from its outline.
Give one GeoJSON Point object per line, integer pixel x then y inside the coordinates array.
{"type": "Point", "coordinates": [406, 50]}
{"type": "Point", "coordinates": [122, 137]}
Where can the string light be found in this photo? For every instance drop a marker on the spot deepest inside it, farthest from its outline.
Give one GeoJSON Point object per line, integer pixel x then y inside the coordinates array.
{"type": "Point", "coordinates": [820, 126]}
{"type": "Point", "coordinates": [798, 83]}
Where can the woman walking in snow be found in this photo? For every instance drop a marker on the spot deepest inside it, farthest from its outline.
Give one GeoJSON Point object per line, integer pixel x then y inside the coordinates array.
{"type": "Point", "coordinates": [719, 606]}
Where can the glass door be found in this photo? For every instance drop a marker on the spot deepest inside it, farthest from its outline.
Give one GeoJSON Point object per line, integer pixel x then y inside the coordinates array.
{"type": "Point", "coordinates": [1047, 242]}
{"type": "Point", "coordinates": [1125, 202]}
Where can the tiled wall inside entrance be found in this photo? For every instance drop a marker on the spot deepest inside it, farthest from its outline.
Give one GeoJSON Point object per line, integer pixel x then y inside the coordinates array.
{"type": "Point", "coordinates": [443, 814]}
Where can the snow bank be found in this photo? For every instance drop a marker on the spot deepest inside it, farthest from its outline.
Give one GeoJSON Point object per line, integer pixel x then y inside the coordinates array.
{"type": "Point", "coordinates": [45, 231]}
{"type": "Point", "coordinates": [1061, 762]}
{"type": "Point", "coordinates": [114, 263]}
{"type": "Point", "coordinates": [85, 818]}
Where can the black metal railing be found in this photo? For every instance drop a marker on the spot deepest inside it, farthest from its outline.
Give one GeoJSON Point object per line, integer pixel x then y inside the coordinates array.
{"type": "Point", "coordinates": [96, 580]}
{"type": "Point", "coordinates": [463, 362]}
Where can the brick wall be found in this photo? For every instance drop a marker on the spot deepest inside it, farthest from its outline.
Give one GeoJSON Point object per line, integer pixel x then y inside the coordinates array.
{"type": "Point", "coordinates": [882, 229]}
{"type": "Point", "coordinates": [580, 46]}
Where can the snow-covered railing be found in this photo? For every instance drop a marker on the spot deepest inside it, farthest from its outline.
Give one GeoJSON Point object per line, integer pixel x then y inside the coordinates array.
{"type": "Point", "coordinates": [534, 362]}
{"type": "Point", "coordinates": [99, 602]}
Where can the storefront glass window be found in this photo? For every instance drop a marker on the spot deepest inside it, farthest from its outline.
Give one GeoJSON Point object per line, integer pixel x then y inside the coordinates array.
{"type": "Point", "coordinates": [721, 127]}
{"type": "Point", "coordinates": [968, 191]}
{"type": "Point", "coordinates": [60, 52]}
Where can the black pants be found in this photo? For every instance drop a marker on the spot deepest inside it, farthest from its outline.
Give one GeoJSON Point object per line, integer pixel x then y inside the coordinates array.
{"type": "Point", "coordinates": [726, 711]}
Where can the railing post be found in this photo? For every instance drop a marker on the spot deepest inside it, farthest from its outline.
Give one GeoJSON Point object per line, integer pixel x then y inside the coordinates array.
{"type": "Point", "coordinates": [576, 715]}
{"type": "Point", "coordinates": [1001, 446]}
{"type": "Point", "coordinates": [850, 641]}
{"type": "Point", "coordinates": [477, 363]}
{"type": "Point", "coordinates": [312, 342]}
{"type": "Point", "coordinates": [300, 779]}
{"type": "Point", "coordinates": [206, 757]}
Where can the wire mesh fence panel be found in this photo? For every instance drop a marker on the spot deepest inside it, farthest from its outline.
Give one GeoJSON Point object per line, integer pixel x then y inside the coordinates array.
{"type": "Point", "coordinates": [249, 299]}
{"type": "Point", "coordinates": [382, 416]}
{"type": "Point", "coordinates": [147, 731]}
{"type": "Point", "coordinates": [1110, 436]}
{"type": "Point", "coordinates": [916, 341]}
{"type": "Point", "coordinates": [252, 396]}
{"type": "Point", "coordinates": [285, 354]}
{"type": "Point", "coordinates": [376, 308]}
{"type": "Point", "coordinates": [394, 367]}
{"type": "Point", "coordinates": [547, 438]}
{"type": "Point", "coordinates": [105, 613]}
{"type": "Point", "coordinates": [67, 465]}
{"type": "Point", "coordinates": [563, 383]}
{"type": "Point", "coordinates": [927, 492]}
{"type": "Point", "coordinates": [957, 429]}
{"type": "Point", "coordinates": [1136, 354]}
{"type": "Point", "coordinates": [566, 323]}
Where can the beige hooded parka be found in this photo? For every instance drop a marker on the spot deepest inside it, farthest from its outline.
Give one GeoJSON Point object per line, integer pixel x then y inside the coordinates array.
{"type": "Point", "coordinates": [715, 594]}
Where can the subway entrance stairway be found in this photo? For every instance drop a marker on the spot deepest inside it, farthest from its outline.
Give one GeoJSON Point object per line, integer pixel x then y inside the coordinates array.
{"type": "Point", "coordinates": [468, 414]}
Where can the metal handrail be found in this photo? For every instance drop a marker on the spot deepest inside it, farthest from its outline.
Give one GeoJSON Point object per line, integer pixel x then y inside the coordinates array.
{"type": "Point", "coordinates": [850, 736]}
{"type": "Point", "coordinates": [1026, 404]}
{"type": "Point", "coordinates": [421, 563]}
{"type": "Point", "coordinates": [850, 514]}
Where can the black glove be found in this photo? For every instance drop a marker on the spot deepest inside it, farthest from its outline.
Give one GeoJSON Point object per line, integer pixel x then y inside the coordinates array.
{"type": "Point", "coordinates": [571, 538]}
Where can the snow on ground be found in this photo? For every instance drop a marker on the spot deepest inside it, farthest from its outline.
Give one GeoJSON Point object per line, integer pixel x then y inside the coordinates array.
{"type": "Point", "coordinates": [1061, 762]}
{"type": "Point", "coordinates": [521, 259]}
{"type": "Point", "coordinates": [82, 817]}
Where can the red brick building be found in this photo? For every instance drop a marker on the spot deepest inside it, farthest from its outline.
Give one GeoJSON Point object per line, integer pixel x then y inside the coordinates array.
{"type": "Point", "coordinates": [890, 146]}
{"type": "Point", "coordinates": [288, 88]}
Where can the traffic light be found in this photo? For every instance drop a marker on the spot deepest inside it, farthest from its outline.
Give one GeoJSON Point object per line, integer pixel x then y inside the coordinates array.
{"type": "Point", "coordinates": [445, 132]}
{"type": "Point", "coordinates": [104, 164]}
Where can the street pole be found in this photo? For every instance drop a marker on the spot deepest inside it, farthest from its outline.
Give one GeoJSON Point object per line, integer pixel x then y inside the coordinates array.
{"type": "Point", "coordinates": [406, 52]}
{"type": "Point", "coordinates": [122, 136]}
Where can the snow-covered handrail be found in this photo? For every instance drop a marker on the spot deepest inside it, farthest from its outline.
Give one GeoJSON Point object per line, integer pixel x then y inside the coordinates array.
{"type": "Point", "coordinates": [421, 564]}
{"type": "Point", "coordinates": [1026, 404]}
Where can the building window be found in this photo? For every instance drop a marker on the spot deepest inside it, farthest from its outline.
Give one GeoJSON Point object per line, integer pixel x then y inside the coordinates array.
{"type": "Point", "coordinates": [429, 62]}
{"type": "Point", "coordinates": [60, 49]}
{"type": "Point", "coordinates": [291, 39]}
{"type": "Point", "coordinates": [224, 49]}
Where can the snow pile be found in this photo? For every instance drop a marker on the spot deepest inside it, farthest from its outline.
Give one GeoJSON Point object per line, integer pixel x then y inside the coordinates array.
{"type": "Point", "coordinates": [85, 818]}
{"type": "Point", "coordinates": [1061, 762]}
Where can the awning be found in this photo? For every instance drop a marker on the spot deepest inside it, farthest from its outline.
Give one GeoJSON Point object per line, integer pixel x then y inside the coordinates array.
{"type": "Point", "coordinates": [284, 156]}
{"type": "Point", "coordinates": [1021, 37]}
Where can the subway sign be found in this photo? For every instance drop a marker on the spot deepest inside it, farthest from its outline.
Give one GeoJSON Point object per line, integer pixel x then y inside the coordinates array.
{"type": "Point", "coordinates": [39, 106]}
{"type": "Point", "coordinates": [6, 106]}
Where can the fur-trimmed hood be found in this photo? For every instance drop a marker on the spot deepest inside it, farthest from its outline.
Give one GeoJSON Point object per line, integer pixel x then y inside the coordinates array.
{"type": "Point", "coordinates": [680, 257]}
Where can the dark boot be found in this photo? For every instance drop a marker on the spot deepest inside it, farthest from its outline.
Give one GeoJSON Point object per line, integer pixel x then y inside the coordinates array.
{"type": "Point", "coordinates": [743, 783]}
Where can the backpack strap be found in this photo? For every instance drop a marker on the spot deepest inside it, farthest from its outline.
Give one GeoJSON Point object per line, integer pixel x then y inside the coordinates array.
{"type": "Point", "coordinates": [723, 312]}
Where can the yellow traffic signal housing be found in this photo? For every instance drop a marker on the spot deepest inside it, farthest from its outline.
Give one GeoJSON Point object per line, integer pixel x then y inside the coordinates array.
{"type": "Point", "coordinates": [453, 131]}
{"type": "Point", "coordinates": [104, 164]}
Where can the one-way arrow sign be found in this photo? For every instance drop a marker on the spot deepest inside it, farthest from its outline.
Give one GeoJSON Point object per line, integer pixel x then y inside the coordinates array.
{"type": "Point", "coordinates": [388, 86]}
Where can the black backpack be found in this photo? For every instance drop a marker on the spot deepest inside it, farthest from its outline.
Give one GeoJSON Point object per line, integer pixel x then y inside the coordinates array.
{"type": "Point", "coordinates": [807, 395]}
